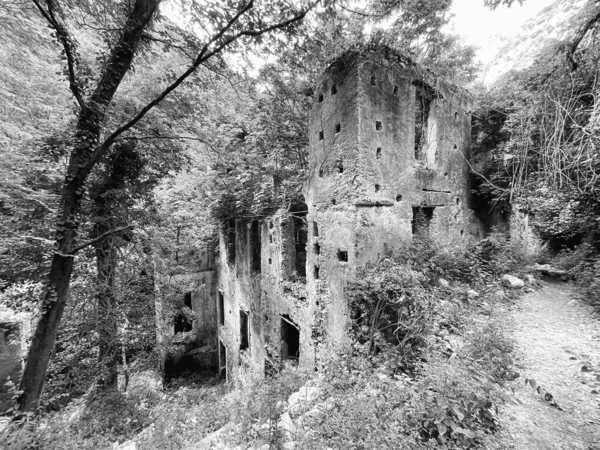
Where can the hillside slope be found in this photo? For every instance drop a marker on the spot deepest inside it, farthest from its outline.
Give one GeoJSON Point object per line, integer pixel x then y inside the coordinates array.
{"type": "Point", "coordinates": [552, 25]}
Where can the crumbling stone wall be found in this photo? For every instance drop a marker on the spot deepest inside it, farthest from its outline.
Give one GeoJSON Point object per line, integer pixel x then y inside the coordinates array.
{"type": "Point", "coordinates": [522, 233]}
{"type": "Point", "coordinates": [368, 180]}
{"type": "Point", "coordinates": [266, 294]}
{"type": "Point", "coordinates": [389, 144]}
{"type": "Point", "coordinates": [192, 273]}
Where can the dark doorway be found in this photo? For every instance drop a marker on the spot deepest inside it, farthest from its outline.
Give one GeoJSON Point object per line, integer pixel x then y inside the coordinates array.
{"type": "Point", "coordinates": [244, 331]}
{"type": "Point", "coordinates": [422, 216]}
{"type": "Point", "coordinates": [290, 339]}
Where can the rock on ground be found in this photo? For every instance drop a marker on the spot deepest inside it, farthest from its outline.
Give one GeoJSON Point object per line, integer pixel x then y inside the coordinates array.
{"type": "Point", "coordinates": [512, 281]}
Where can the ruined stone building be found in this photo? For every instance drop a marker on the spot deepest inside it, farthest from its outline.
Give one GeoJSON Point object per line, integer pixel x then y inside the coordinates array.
{"type": "Point", "coordinates": [389, 145]}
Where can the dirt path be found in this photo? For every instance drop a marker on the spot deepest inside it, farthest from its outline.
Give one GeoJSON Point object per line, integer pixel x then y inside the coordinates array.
{"type": "Point", "coordinates": [558, 338]}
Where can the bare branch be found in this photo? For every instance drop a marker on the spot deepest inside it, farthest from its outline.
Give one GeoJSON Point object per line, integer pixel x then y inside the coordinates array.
{"type": "Point", "coordinates": [63, 36]}
{"type": "Point", "coordinates": [98, 239]}
{"type": "Point", "coordinates": [203, 56]}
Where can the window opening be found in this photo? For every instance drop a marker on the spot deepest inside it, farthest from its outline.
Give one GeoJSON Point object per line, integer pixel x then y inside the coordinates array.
{"type": "Point", "coordinates": [300, 237]}
{"type": "Point", "coordinates": [270, 239]}
{"type": "Point", "coordinates": [255, 242]}
{"type": "Point", "coordinates": [378, 153]}
{"type": "Point", "coordinates": [342, 255]}
{"type": "Point", "coordinates": [231, 240]}
{"type": "Point", "coordinates": [373, 80]}
{"type": "Point", "coordinates": [422, 216]}
{"type": "Point", "coordinates": [339, 166]}
{"type": "Point", "coordinates": [338, 128]}
{"type": "Point", "coordinates": [244, 331]}
{"type": "Point", "coordinates": [423, 98]}
{"type": "Point", "coordinates": [333, 201]}
{"type": "Point", "coordinates": [396, 89]}
{"type": "Point", "coordinates": [321, 135]}
{"type": "Point", "coordinates": [290, 339]}
{"type": "Point", "coordinates": [399, 197]}
{"type": "Point", "coordinates": [315, 229]}
{"type": "Point", "coordinates": [377, 188]}
{"type": "Point", "coordinates": [221, 308]}
{"type": "Point", "coordinates": [378, 125]}
{"type": "Point", "coordinates": [316, 272]}
{"type": "Point", "coordinates": [317, 249]}
{"type": "Point", "coordinates": [320, 99]}
{"type": "Point", "coordinates": [222, 360]}
{"type": "Point", "coordinates": [333, 89]}
{"type": "Point", "coordinates": [183, 320]}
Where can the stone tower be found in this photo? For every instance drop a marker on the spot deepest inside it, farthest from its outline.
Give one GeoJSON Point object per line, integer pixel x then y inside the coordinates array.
{"type": "Point", "coordinates": [389, 150]}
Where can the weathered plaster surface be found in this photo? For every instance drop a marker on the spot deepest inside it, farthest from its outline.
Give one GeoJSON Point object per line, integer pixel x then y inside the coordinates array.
{"type": "Point", "coordinates": [363, 186]}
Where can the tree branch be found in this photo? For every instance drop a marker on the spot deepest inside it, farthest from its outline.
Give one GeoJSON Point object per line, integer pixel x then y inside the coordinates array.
{"type": "Point", "coordinates": [579, 37]}
{"type": "Point", "coordinates": [98, 239]}
{"type": "Point", "coordinates": [204, 55]}
{"type": "Point", "coordinates": [64, 38]}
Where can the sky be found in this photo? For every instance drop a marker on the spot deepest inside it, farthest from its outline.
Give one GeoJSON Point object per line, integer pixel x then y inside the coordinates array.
{"type": "Point", "coordinates": [481, 27]}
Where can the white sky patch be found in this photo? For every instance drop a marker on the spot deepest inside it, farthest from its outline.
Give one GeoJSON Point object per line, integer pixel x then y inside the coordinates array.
{"type": "Point", "coordinates": [487, 29]}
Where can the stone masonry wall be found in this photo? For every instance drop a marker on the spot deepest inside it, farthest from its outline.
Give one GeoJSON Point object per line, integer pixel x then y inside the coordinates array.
{"type": "Point", "coordinates": [365, 180]}
{"type": "Point", "coordinates": [367, 185]}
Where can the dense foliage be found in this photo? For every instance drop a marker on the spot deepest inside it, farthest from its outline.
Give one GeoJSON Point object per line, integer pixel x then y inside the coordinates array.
{"type": "Point", "coordinates": [540, 129]}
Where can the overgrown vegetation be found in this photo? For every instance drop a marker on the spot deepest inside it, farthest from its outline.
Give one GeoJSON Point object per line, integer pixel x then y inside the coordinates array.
{"type": "Point", "coordinates": [425, 363]}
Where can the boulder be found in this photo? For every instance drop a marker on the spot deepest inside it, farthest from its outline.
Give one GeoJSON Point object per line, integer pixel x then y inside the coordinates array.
{"type": "Point", "coordinates": [299, 401]}
{"type": "Point", "coordinates": [512, 282]}
{"type": "Point", "coordinates": [552, 272]}
{"type": "Point", "coordinates": [444, 283]}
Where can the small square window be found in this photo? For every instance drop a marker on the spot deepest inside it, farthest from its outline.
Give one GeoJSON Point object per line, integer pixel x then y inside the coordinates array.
{"type": "Point", "coordinates": [342, 255]}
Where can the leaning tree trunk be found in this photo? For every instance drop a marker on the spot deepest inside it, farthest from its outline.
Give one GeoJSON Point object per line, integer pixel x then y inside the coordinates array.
{"type": "Point", "coordinates": [84, 156]}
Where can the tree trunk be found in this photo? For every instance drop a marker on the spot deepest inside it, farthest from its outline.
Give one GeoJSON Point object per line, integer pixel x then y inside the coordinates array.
{"type": "Point", "coordinates": [83, 157]}
{"type": "Point", "coordinates": [107, 325]}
